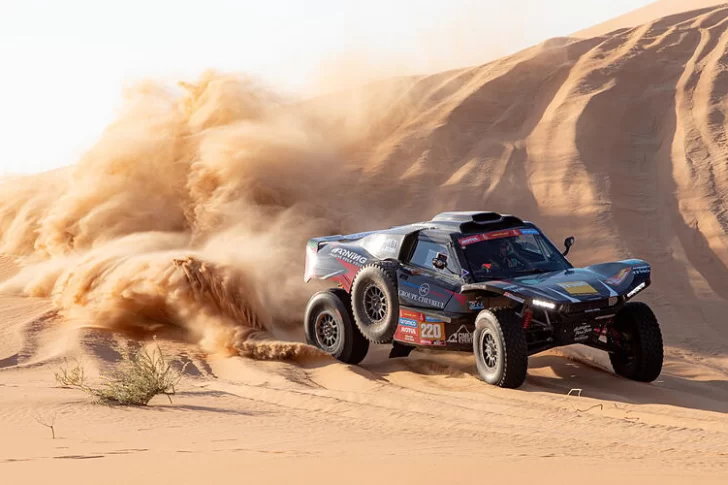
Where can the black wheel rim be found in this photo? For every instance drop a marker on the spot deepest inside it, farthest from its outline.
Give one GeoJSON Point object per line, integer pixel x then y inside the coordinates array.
{"type": "Point", "coordinates": [624, 341]}
{"type": "Point", "coordinates": [327, 331]}
{"type": "Point", "coordinates": [490, 350]}
{"type": "Point", "coordinates": [375, 304]}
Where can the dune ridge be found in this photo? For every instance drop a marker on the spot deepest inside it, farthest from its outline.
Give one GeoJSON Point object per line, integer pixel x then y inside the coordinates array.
{"type": "Point", "coordinates": [651, 12]}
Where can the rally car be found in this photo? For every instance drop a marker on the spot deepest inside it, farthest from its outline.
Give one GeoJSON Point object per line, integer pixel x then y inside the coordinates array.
{"type": "Point", "coordinates": [483, 282]}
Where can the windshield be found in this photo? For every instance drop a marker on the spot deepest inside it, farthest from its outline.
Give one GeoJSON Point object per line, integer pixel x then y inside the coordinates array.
{"type": "Point", "coordinates": [514, 252]}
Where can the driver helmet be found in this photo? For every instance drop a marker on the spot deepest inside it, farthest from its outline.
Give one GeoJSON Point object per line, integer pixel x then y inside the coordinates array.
{"type": "Point", "coordinates": [505, 247]}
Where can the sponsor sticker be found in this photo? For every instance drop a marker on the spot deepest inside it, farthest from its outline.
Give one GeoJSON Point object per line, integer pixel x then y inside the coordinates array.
{"type": "Point", "coordinates": [578, 288]}
{"type": "Point", "coordinates": [464, 241]}
{"type": "Point", "coordinates": [421, 333]}
{"type": "Point", "coordinates": [432, 331]}
{"type": "Point", "coordinates": [475, 238]}
{"type": "Point", "coordinates": [409, 314]}
{"type": "Point", "coordinates": [582, 332]}
{"type": "Point", "coordinates": [390, 246]}
{"type": "Point", "coordinates": [421, 299]}
{"type": "Point", "coordinates": [406, 322]}
{"type": "Point", "coordinates": [408, 330]}
{"type": "Point", "coordinates": [618, 278]}
{"type": "Point", "coordinates": [461, 336]}
{"type": "Point", "coordinates": [501, 234]}
{"type": "Point", "coordinates": [513, 297]}
{"type": "Point", "coordinates": [475, 305]}
{"type": "Point", "coordinates": [349, 256]}
{"type": "Point", "coordinates": [432, 319]}
{"type": "Point", "coordinates": [641, 269]}
{"type": "Point", "coordinates": [529, 231]}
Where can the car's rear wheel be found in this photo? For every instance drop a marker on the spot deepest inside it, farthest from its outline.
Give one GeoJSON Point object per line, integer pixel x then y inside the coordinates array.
{"type": "Point", "coordinates": [500, 348]}
{"type": "Point", "coordinates": [638, 343]}
{"type": "Point", "coordinates": [329, 325]}
{"type": "Point", "coordinates": [375, 302]}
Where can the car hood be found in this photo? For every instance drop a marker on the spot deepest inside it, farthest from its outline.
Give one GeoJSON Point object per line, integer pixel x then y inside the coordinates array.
{"type": "Point", "coordinates": [573, 285]}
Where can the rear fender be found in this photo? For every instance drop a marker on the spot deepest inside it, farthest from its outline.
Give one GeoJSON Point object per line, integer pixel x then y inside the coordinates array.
{"type": "Point", "coordinates": [340, 257]}
{"type": "Point", "coordinates": [333, 260]}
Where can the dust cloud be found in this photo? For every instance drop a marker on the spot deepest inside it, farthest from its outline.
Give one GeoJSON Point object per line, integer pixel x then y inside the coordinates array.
{"type": "Point", "coordinates": [188, 217]}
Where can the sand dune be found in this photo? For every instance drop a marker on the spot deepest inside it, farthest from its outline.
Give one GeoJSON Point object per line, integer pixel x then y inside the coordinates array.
{"type": "Point", "coordinates": [187, 222]}
{"type": "Point", "coordinates": [649, 13]}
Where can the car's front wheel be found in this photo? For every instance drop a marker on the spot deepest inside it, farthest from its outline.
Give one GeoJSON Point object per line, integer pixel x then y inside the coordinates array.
{"type": "Point", "coordinates": [638, 344]}
{"type": "Point", "coordinates": [329, 325]}
{"type": "Point", "coordinates": [500, 348]}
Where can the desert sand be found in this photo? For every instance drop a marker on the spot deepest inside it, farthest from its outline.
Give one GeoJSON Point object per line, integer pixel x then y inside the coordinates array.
{"type": "Point", "coordinates": [187, 222]}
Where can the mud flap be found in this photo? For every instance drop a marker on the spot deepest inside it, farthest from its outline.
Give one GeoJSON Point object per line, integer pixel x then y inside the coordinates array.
{"type": "Point", "coordinates": [400, 350]}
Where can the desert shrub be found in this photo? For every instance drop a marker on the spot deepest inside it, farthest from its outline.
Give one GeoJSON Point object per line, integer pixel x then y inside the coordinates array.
{"type": "Point", "coordinates": [140, 376]}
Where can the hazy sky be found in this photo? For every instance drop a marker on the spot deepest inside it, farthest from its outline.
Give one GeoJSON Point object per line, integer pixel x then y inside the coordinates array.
{"type": "Point", "coordinates": [64, 62]}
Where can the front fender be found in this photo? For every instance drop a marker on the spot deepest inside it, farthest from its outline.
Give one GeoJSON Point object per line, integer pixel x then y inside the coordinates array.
{"type": "Point", "coordinates": [624, 276]}
{"type": "Point", "coordinates": [496, 288]}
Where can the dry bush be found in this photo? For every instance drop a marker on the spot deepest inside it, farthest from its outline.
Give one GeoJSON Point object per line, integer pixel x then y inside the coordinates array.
{"type": "Point", "coordinates": [140, 376]}
{"type": "Point", "coordinates": [47, 421]}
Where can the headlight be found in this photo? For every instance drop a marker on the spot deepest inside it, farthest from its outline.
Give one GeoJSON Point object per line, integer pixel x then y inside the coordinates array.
{"type": "Point", "coordinates": [544, 304]}
{"type": "Point", "coordinates": [636, 290]}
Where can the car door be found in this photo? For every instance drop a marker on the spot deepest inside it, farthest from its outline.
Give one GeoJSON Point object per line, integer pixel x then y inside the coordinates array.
{"type": "Point", "coordinates": [420, 283]}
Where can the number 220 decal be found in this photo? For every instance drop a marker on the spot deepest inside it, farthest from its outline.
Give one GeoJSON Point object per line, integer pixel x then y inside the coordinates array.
{"type": "Point", "coordinates": [431, 331]}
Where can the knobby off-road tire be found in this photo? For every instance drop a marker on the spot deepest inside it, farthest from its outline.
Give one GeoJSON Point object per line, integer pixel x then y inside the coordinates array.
{"type": "Point", "coordinates": [500, 348]}
{"type": "Point", "coordinates": [643, 361]}
{"type": "Point", "coordinates": [375, 301]}
{"type": "Point", "coordinates": [329, 325]}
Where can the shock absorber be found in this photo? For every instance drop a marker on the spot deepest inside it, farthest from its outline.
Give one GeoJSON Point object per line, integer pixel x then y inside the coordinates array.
{"type": "Point", "coordinates": [527, 317]}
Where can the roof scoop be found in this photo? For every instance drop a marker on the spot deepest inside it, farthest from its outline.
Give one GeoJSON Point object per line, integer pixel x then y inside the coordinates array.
{"type": "Point", "coordinates": [467, 216]}
{"type": "Point", "coordinates": [473, 221]}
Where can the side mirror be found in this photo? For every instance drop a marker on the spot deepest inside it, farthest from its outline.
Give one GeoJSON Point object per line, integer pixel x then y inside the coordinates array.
{"type": "Point", "coordinates": [568, 242]}
{"type": "Point", "coordinates": [440, 261]}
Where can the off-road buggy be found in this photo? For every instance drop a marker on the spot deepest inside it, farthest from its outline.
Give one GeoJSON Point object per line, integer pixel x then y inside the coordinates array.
{"type": "Point", "coordinates": [477, 281]}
